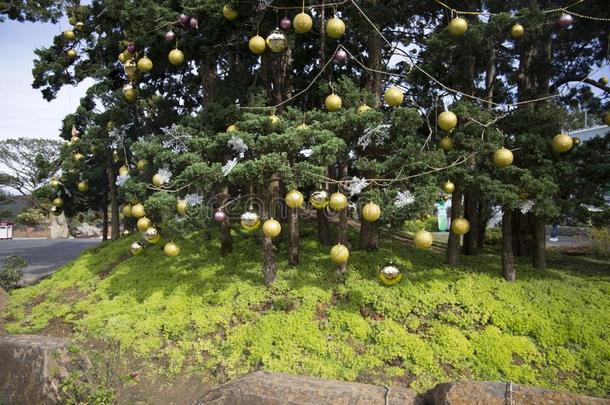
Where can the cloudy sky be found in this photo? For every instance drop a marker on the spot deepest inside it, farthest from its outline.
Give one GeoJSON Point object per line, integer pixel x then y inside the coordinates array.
{"type": "Point", "coordinates": [23, 111]}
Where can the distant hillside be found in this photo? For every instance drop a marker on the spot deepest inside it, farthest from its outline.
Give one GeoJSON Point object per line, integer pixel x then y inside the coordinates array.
{"type": "Point", "coordinates": [13, 208]}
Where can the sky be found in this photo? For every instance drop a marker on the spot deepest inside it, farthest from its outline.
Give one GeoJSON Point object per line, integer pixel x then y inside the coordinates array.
{"type": "Point", "coordinates": [23, 111]}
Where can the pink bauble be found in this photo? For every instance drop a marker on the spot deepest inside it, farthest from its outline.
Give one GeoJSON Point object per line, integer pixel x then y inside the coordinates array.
{"type": "Point", "coordinates": [340, 55]}
{"type": "Point", "coordinates": [566, 20]}
{"type": "Point", "coordinates": [285, 24]}
{"type": "Point", "coordinates": [131, 48]}
{"type": "Point", "coordinates": [194, 23]}
{"type": "Point", "coordinates": [170, 36]}
{"type": "Point", "coordinates": [184, 19]}
{"type": "Point", "coordinates": [219, 216]}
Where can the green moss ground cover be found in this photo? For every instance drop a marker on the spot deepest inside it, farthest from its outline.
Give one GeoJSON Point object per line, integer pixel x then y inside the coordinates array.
{"type": "Point", "coordinates": [206, 314]}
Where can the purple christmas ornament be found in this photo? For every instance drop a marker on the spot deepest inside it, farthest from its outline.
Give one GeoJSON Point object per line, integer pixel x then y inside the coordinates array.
{"type": "Point", "coordinates": [170, 36]}
{"type": "Point", "coordinates": [194, 23]}
{"type": "Point", "coordinates": [131, 48]}
{"type": "Point", "coordinates": [566, 20]}
{"type": "Point", "coordinates": [340, 55]}
{"type": "Point", "coordinates": [285, 24]}
{"type": "Point", "coordinates": [219, 216]}
{"type": "Point", "coordinates": [184, 19]}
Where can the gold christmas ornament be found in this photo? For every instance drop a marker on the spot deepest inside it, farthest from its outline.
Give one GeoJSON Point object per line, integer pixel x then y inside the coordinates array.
{"type": "Point", "coordinates": [58, 202]}
{"type": "Point", "coordinates": [363, 108]}
{"type": "Point", "coordinates": [503, 157]}
{"type": "Point", "coordinates": [607, 118]}
{"type": "Point", "coordinates": [458, 27]}
{"type": "Point", "coordinates": [181, 206]}
{"type": "Point", "coordinates": [276, 41]}
{"type": "Point", "coordinates": [338, 201]}
{"type": "Point", "coordinates": [232, 128]}
{"type": "Point", "coordinates": [603, 81]}
{"type": "Point", "coordinates": [72, 54]}
{"type": "Point", "coordinates": [171, 249]}
{"type": "Point", "coordinates": [143, 224]}
{"type": "Point", "coordinates": [294, 199]}
{"type": "Point", "coordinates": [390, 274]}
{"type": "Point", "coordinates": [460, 226]}
{"type": "Point", "coordinates": [562, 143]}
{"type": "Point", "coordinates": [423, 239]}
{"type": "Point", "coordinates": [394, 96]}
{"type": "Point", "coordinates": [83, 186]}
{"type": "Point", "coordinates": [138, 210]}
{"type": "Point", "coordinates": [229, 13]}
{"type": "Point", "coordinates": [176, 57]}
{"type": "Point", "coordinates": [130, 93]}
{"type": "Point", "coordinates": [123, 170]}
{"type": "Point", "coordinates": [145, 65]}
{"type": "Point", "coordinates": [333, 103]}
{"type": "Point", "coordinates": [449, 187]}
{"type": "Point", "coordinates": [272, 228]}
{"type": "Point", "coordinates": [131, 70]}
{"type": "Point", "coordinates": [68, 35]}
{"type": "Point", "coordinates": [136, 249]}
{"type": "Point", "coordinates": [157, 180]}
{"type": "Point", "coordinates": [54, 183]}
{"type": "Point", "coordinates": [122, 57]}
{"type": "Point", "coordinates": [142, 164]}
{"type": "Point", "coordinates": [517, 31]}
{"type": "Point", "coordinates": [72, 20]}
{"type": "Point", "coordinates": [339, 254]}
{"type": "Point", "coordinates": [576, 141]}
{"type": "Point", "coordinates": [303, 126]}
{"type": "Point", "coordinates": [127, 211]}
{"type": "Point", "coordinates": [257, 45]}
{"type": "Point", "coordinates": [447, 121]}
{"type": "Point", "coordinates": [79, 26]}
{"type": "Point", "coordinates": [152, 236]}
{"type": "Point", "coordinates": [335, 28]}
{"type": "Point", "coordinates": [274, 119]}
{"type": "Point", "coordinates": [371, 212]}
{"type": "Point", "coordinates": [447, 144]}
{"type": "Point", "coordinates": [302, 23]}
{"type": "Point", "coordinates": [74, 139]}
{"type": "Point", "coordinates": [78, 156]}
{"type": "Point", "coordinates": [250, 221]}
{"type": "Point", "coordinates": [319, 199]}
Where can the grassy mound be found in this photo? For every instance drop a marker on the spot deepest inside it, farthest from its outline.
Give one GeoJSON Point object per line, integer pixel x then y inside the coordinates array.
{"type": "Point", "coordinates": [212, 315]}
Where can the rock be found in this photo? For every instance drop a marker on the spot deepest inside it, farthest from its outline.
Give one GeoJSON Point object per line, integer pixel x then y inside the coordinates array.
{"type": "Point", "coordinates": [87, 230]}
{"type": "Point", "coordinates": [494, 393]}
{"type": "Point", "coordinates": [266, 388]}
{"type": "Point", "coordinates": [58, 227]}
{"type": "Point", "coordinates": [30, 368]}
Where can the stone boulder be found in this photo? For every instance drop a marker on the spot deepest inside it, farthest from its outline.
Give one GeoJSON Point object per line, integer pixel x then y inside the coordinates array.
{"type": "Point", "coordinates": [87, 230]}
{"type": "Point", "coordinates": [58, 227]}
{"type": "Point", "coordinates": [494, 393]}
{"type": "Point", "coordinates": [31, 368]}
{"type": "Point", "coordinates": [266, 388]}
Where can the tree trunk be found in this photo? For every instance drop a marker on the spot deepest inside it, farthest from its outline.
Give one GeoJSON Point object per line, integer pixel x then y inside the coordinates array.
{"type": "Point", "coordinates": [226, 240]}
{"type": "Point", "coordinates": [484, 214]}
{"type": "Point", "coordinates": [269, 267]}
{"type": "Point", "coordinates": [508, 259]}
{"type": "Point", "coordinates": [105, 218]}
{"type": "Point", "coordinates": [114, 204]}
{"type": "Point", "coordinates": [522, 240]}
{"type": "Point", "coordinates": [538, 254]}
{"type": "Point", "coordinates": [342, 236]}
{"type": "Point", "coordinates": [369, 235]}
{"type": "Point", "coordinates": [453, 245]}
{"type": "Point", "coordinates": [323, 228]}
{"type": "Point", "coordinates": [471, 213]}
{"type": "Point", "coordinates": [293, 249]}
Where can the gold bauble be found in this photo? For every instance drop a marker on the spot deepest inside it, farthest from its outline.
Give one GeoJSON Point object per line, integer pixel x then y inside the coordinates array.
{"type": "Point", "coordinates": [607, 118]}
{"type": "Point", "coordinates": [152, 236]}
{"type": "Point", "coordinates": [423, 239]}
{"type": "Point", "coordinates": [74, 139]}
{"type": "Point", "coordinates": [447, 121]}
{"type": "Point", "coordinates": [457, 27]}
{"type": "Point", "coordinates": [447, 144]}
{"type": "Point", "coordinates": [303, 126]}
{"type": "Point", "coordinates": [136, 249]}
{"type": "Point", "coordinates": [145, 65]}
{"type": "Point", "coordinates": [363, 108]}
{"type": "Point", "coordinates": [335, 28]}
{"type": "Point", "coordinates": [319, 199]}
{"type": "Point", "coordinates": [171, 249]}
{"type": "Point", "coordinates": [181, 206]}
{"type": "Point", "coordinates": [274, 119]}
{"type": "Point", "coordinates": [58, 202]}
{"type": "Point", "coordinates": [460, 226]}
{"type": "Point", "coordinates": [338, 201]}
{"type": "Point", "coordinates": [157, 180]}
{"type": "Point", "coordinates": [517, 31]}
{"type": "Point", "coordinates": [131, 70]}
{"type": "Point", "coordinates": [127, 211]}
{"type": "Point", "coordinates": [302, 23]}
{"type": "Point", "coordinates": [232, 128]}
{"type": "Point", "coordinates": [123, 171]}
{"type": "Point", "coordinates": [143, 224]}
{"type": "Point", "coordinates": [333, 103]}
{"type": "Point", "coordinates": [390, 274]}
{"type": "Point", "coordinates": [250, 221]}
{"type": "Point", "coordinates": [371, 212]}
{"type": "Point", "coordinates": [276, 41]}
{"type": "Point", "coordinates": [176, 57]}
{"type": "Point", "coordinates": [72, 54]}
{"type": "Point", "coordinates": [122, 57]}
{"type": "Point", "coordinates": [294, 199]}
{"type": "Point", "coordinates": [503, 157]}
{"type": "Point", "coordinates": [68, 35]}
{"type": "Point", "coordinates": [78, 156]}
{"type": "Point", "coordinates": [229, 13]}
{"type": "Point", "coordinates": [138, 210]}
{"type": "Point", "coordinates": [257, 45]}
{"type": "Point", "coordinates": [54, 183]}
{"type": "Point", "coordinates": [562, 143]}
{"type": "Point", "coordinates": [142, 164]}
{"type": "Point", "coordinates": [339, 254]}
{"type": "Point", "coordinates": [576, 141]}
{"type": "Point", "coordinates": [130, 93]}
{"type": "Point", "coordinates": [72, 20]}
{"type": "Point", "coordinates": [394, 96]}
{"type": "Point", "coordinates": [272, 228]}
{"type": "Point", "coordinates": [603, 81]}
{"type": "Point", "coordinates": [83, 186]}
{"type": "Point", "coordinates": [79, 26]}
{"type": "Point", "coordinates": [449, 187]}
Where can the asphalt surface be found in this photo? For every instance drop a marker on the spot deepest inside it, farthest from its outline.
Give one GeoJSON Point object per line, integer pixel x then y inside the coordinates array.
{"type": "Point", "coordinates": [42, 255]}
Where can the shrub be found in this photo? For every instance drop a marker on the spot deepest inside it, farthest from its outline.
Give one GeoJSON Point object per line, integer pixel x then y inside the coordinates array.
{"type": "Point", "coordinates": [31, 217]}
{"type": "Point", "coordinates": [601, 240]}
{"type": "Point", "coordinates": [430, 224]}
{"type": "Point", "coordinates": [12, 273]}
{"type": "Point", "coordinates": [493, 237]}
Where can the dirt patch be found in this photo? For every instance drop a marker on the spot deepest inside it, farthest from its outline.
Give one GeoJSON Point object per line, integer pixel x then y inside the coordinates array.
{"type": "Point", "coordinates": [58, 328]}
{"type": "Point", "coordinates": [184, 389]}
{"type": "Point", "coordinates": [71, 295]}
{"type": "Point", "coordinates": [369, 312]}
{"type": "Point", "coordinates": [109, 267]}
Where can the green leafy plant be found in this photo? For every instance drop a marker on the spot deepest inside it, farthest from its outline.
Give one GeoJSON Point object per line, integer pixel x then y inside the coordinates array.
{"type": "Point", "coordinates": [12, 273]}
{"type": "Point", "coordinates": [601, 240]}
{"type": "Point", "coordinates": [31, 217]}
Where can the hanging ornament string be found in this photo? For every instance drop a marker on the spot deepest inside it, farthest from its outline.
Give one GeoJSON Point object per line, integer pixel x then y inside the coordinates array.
{"type": "Point", "coordinates": [312, 6]}
{"type": "Point", "coordinates": [546, 11]}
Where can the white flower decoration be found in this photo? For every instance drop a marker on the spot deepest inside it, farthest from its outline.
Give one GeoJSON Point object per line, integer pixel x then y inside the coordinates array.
{"type": "Point", "coordinates": [229, 166]}
{"type": "Point", "coordinates": [356, 185]}
{"type": "Point", "coordinates": [237, 144]}
{"type": "Point", "coordinates": [404, 198]}
{"type": "Point", "coordinates": [120, 180]}
{"type": "Point", "coordinates": [306, 152]}
{"type": "Point", "coordinates": [526, 206]}
{"type": "Point", "coordinates": [166, 175]}
{"type": "Point", "coordinates": [376, 135]}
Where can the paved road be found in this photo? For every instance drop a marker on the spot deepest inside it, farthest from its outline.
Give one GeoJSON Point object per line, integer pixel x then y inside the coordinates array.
{"type": "Point", "coordinates": [43, 256]}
